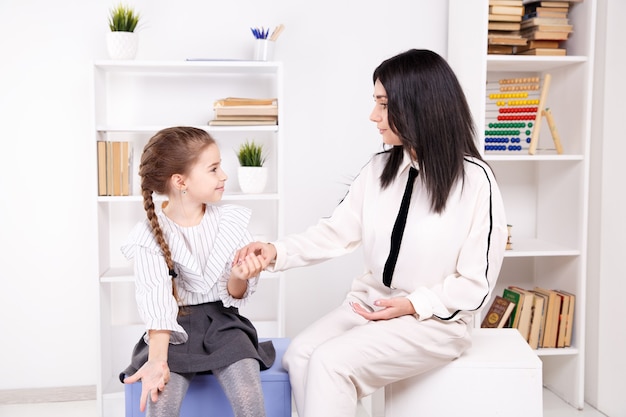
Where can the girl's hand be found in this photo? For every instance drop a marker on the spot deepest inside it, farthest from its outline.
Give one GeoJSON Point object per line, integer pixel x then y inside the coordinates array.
{"type": "Point", "coordinates": [392, 308]}
{"type": "Point", "coordinates": [266, 250]}
{"type": "Point", "coordinates": [250, 267]}
{"type": "Point", "coordinates": [153, 375]}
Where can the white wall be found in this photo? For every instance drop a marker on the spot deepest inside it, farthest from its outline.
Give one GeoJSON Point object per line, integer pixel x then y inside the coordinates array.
{"type": "Point", "coordinates": [48, 300]}
{"type": "Point", "coordinates": [606, 333]}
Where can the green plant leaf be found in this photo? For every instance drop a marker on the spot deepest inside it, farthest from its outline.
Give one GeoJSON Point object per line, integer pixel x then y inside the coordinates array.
{"type": "Point", "coordinates": [123, 18]}
{"type": "Point", "coordinates": [250, 154]}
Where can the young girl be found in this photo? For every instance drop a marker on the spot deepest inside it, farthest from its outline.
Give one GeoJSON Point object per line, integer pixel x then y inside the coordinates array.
{"type": "Point", "coordinates": [187, 292]}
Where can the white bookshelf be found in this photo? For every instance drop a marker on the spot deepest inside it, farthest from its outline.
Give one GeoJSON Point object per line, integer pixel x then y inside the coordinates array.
{"type": "Point", "coordinates": [132, 101]}
{"type": "Point", "coordinates": [545, 194]}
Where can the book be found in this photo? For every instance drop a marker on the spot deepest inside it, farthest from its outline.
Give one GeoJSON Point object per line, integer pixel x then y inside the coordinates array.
{"type": "Point", "coordinates": [248, 110]}
{"type": "Point", "coordinates": [504, 18]}
{"type": "Point", "coordinates": [245, 101]}
{"type": "Point", "coordinates": [525, 310]}
{"type": "Point", "coordinates": [217, 122]}
{"type": "Point", "coordinates": [536, 321]}
{"type": "Point", "coordinates": [117, 168]}
{"type": "Point", "coordinates": [509, 243]}
{"type": "Point", "coordinates": [109, 170]}
{"type": "Point", "coordinates": [504, 26]}
{"type": "Point", "coordinates": [543, 52]}
{"type": "Point", "coordinates": [532, 34]}
{"type": "Point", "coordinates": [126, 163]}
{"type": "Point", "coordinates": [545, 13]}
{"type": "Point", "coordinates": [547, 3]}
{"type": "Point", "coordinates": [547, 9]}
{"type": "Point", "coordinates": [570, 317]}
{"type": "Point", "coordinates": [536, 21]}
{"type": "Point", "coordinates": [542, 318]}
{"type": "Point", "coordinates": [542, 43]}
{"type": "Point", "coordinates": [498, 313]}
{"type": "Point", "coordinates": [516, 298]}
{"type": "Point", "coordinates": [506, 50]}
{"type": "Point", "coordinates": [552, 317]}
{"type": "Point", "coordinates": [505, 3]}
{"type": "Point", "coordinates": [505, 39]}
{"type": "Point", "coordinates": [508, 10]}
{"type": "Point", "coordinates": [548, 28]}
{"type": "Point", "coordinates": [247, 117]}
{"type": "Point", "coordinates": [562, 321]}
{"type": "Point", "coordinates": [102, 167]}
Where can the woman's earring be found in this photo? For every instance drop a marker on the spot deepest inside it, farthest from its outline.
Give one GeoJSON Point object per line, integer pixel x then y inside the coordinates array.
{"type": "Point", "coordinates": [184, 191]}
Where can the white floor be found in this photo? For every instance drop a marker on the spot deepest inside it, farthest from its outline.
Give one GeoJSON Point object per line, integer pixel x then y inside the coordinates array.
{"type": "Point", "coordinates": [553, 407]}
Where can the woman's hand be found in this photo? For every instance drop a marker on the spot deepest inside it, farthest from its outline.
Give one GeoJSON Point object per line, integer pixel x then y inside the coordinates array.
{"type": "Point", "coordinates": [391, 308]}
{"type": "Point", "coordinates": [266, 250]}
{"type": "Point", "coordinates": [154, 374]}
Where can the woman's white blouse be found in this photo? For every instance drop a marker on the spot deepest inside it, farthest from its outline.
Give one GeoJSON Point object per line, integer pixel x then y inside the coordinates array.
{"type": "Point", "coordinates": [202, 256]}
{"type": "Point", "coordinates": [448, 263]}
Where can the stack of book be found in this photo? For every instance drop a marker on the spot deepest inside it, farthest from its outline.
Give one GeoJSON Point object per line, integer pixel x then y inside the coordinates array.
{"type": "Point", "coordinates": [235, 111]}
{"type": "Point", "coordinates": [114, 168]}
{"type": "Point", "coordinates": [505, 17]}
{"type": "Point", "coordinates": [545, 25]}
{"type": "Point", "coordinates": [509, 243]}
{"type": "Point", "coordinates": [544, 317]}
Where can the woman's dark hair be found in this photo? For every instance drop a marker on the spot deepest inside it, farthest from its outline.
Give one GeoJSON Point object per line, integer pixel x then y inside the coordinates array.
{"type": "Point", "coordinates": [170, 151]}
{"type": "Point", "coordinates": [427, 109]}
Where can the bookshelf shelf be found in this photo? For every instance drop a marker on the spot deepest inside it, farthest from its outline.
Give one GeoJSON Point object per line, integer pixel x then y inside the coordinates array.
{"type": "Point", "coordinates": [545, 194]}
{"type": "Point", "coordinates": [536, 247]}
{"type": "Point", "coordinates": [570, 351]}
{"type": "Point", "coordinates": [232, 196]}
{"type": "Point", "coordinates": [155, 128]}
{"type": "Point", "coordinates": [533, 158]}
{"type": "Point", "coordinates": [132, 101]}
{"type": "Point", "coordinates": [174, 68]}
{"type": "Point", "coordinates": [511, 63]}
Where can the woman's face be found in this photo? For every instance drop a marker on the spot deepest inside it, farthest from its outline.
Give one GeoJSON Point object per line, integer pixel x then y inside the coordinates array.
{"type": "Point", "coordinates": [379, 115]}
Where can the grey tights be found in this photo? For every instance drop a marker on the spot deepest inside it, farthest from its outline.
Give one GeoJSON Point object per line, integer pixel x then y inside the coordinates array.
{"type": "Point", "coordinates": [240, 381]}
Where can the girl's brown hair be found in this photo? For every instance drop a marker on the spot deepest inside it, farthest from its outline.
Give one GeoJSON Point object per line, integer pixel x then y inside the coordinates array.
{"type": "Point", "coordinates": [170, 151]}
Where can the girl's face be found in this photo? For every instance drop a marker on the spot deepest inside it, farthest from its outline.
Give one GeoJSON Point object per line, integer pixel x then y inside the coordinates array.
{"type": "Point", "coordinates": [379, 115]}
{"type": "Point", "coordinates": [205, 181]}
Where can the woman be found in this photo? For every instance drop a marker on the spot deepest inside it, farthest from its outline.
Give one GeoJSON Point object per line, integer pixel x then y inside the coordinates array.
{"type": "Point", "coordinates": [412, 309]}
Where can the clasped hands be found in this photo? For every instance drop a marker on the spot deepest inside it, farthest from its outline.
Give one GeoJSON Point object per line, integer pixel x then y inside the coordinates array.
{"type": "Point", "coordinates": [390, 308]}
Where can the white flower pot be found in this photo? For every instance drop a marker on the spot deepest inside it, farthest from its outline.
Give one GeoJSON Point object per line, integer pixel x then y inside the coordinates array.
{"type": "Point", "coordinates": [122, 45]}
{"type": "Point", "coordinates": [252, 180]}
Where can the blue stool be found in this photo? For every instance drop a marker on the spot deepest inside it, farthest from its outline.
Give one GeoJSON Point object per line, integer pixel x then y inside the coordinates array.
{"type": "Point", "coordinates": [205, 397]}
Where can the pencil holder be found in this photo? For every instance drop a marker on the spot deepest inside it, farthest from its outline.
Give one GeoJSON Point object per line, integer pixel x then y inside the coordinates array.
{"type": "Point", "coordinates": [263, 50]}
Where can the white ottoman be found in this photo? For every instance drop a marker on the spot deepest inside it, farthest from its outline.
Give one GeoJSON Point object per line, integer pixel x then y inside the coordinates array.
{"type": "Point", "coordinates": [500, 375]}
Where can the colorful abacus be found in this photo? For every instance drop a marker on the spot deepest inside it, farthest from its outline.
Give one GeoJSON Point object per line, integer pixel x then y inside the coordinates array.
{"type": "Point", "coordinates": [511, 111]}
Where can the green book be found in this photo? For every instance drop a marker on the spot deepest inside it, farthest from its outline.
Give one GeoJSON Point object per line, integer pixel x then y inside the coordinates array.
{"type": "Point", "coordinates": [516, 298]}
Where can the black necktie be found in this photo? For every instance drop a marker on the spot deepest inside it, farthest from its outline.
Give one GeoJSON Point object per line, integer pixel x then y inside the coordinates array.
{"type": "Point", "coordinates": [398, 229]}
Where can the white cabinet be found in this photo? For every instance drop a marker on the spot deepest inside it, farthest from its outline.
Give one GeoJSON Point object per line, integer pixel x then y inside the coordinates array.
{"type": "Point", "coordinates": [132, 101]}
{"type": "Point", "coordinates": [545, 194]}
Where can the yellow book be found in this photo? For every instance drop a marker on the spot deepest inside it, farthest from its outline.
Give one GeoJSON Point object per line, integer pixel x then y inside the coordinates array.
{"type": "Point", "coordinates": [125, 158]}
{"type": "Point", "coordinates": [116, 148]}
{"type": "Point", "coordinates": [102, 168]}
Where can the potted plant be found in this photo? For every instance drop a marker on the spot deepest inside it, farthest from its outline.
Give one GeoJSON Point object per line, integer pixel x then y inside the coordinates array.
{"type": "Point", "coordinates": [122, 41]}
{"type": "Point", "coordinates": [251, 173]}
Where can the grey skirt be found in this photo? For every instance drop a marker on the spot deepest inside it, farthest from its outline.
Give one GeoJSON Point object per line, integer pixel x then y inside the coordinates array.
{"type": "Point", "coordinates": [218, 336]}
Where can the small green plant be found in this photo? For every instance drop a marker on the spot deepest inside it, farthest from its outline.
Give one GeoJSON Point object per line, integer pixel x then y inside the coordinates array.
{"type": "Point", "coordinates": [123, 19]}
{"type": "Point", "coordinates": [250, 154]}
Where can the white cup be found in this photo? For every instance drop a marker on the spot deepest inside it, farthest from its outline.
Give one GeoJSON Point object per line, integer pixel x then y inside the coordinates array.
{"type": "Point", "coordinates": [263, 50]}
